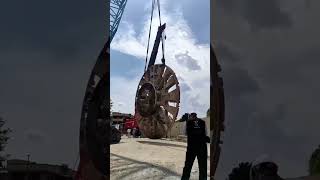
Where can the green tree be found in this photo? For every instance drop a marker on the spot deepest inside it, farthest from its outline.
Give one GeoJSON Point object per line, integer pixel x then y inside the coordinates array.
{"type": "Point", "coordinates": [4, 137]}
{"type": "Point", "coordinates": [314, 162]}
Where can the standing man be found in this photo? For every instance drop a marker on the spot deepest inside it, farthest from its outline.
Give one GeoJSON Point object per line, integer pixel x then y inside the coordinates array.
{"type": "Point", "coordinates": [134, 132]}
{"type": "Point", "coordinates": [197, 140]}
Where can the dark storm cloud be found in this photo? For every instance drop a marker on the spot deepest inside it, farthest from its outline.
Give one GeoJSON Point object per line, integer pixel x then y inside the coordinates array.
{"type": "Point", "coordinates": [278, 117]}
{"type": "Point", "coordinates": [186, 60]}
{"type": "Point", "coordinates": [47, 98]}
{"type": "Point", "coordinates": [237, 80]}
{"type": "Point", "coordinates": [291, 68]}
{"type": "Point", "coordinates": [267, 130]}
{"type": "Point", "coordinates": [35, 136]}
{"type": "Point", "coordinates": [228, 5]}
{"type": "Point", "coordinates": [63, 28]}
{"type": "Point", "coordinates": [307, 3]}
{"type": "Point", "coordinates": [265, 125]}
{"type": "Point", "coordinates": [226, 53]}
{"type": "Point", "coordinates": [259, 14]}
{"type": "Point", "coordinates": [47, 51]}
{"type": "Point", "coordinates": [266, 14]}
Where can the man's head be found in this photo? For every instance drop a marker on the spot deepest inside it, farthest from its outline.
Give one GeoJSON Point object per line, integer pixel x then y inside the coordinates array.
{"type": "Point", "coordinates": [193, 116]}
{"type": "Point", "coordinates": [187, 117]}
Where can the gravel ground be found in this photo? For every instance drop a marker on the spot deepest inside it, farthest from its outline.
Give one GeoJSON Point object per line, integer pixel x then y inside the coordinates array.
{"type": "Point", "coordinates": [142, 158]}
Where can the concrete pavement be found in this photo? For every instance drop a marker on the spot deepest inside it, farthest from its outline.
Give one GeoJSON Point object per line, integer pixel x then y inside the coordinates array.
{"type": "Point", "coordinates": [143, 158]}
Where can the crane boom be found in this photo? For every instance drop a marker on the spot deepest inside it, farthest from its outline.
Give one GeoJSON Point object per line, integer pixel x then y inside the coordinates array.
{"type": "Point", "coordinates": [156, 45]}
{"type": "Point", "coordinates": [116, 12]}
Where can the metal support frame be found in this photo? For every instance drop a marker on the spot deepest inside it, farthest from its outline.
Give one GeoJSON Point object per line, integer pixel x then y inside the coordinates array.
{"type": "Point", "coordinates": [116, 11]}
{"type": "Point", "coordinates": [155, 49]}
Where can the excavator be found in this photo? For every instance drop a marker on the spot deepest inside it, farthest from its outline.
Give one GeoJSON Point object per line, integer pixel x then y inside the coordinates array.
{"type": "Point", "coordinates": [156, 103]}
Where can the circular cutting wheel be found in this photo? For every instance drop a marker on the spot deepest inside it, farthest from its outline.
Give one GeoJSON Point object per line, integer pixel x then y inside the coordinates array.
{"type": "Point", "coordinates": [217, 113]}
{"type": "Point", "coordinates": [95, 123]}
{"type": "Point", "coordinates": [157, 101]}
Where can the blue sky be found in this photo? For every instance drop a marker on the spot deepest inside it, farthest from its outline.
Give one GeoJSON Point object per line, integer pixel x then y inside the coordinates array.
{"type": "Point", "coordinates": [186, 51]}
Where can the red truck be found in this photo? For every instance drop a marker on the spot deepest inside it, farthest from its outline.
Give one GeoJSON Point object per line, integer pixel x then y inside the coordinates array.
{"type": "Point", "coordinates": [131, 123]}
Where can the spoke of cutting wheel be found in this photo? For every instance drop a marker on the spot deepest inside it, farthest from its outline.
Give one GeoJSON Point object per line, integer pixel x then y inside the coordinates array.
{"type": "Point", "coordinates": [159, 81]}
{"type": "Point", "coordinates": [173, 96]}
{"type": "Point", "coordinates": [162, 68]}
{"type": "Point", "coordinates": [171, 82]}
{"type": "Point", "coordinates": [167, 74]}
{"type": "Point", "coordinates": [172, 110]}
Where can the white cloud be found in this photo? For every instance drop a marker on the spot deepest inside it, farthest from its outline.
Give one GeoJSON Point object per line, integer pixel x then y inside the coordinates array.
{"type": "Point", "coordinates": [123, 93]}
{"type": "Point", "coordinates": [180, 40]}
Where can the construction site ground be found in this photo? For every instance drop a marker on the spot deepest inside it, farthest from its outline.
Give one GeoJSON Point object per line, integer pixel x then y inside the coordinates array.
{"type": "Point", "coordinates": [143, 158]}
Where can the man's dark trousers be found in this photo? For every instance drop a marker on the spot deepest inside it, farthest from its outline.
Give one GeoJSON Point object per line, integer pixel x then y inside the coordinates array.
{"type": "Point", "coordinates": [198, 150]}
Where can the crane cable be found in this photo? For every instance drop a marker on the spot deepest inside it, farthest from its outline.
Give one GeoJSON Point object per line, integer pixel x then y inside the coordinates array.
{"type": "Point", "coordinates": [145, 66]}
{"type": "Point", "coordinates": [162, 41]}
{"type": "Point", "coordinates": [152, 8]}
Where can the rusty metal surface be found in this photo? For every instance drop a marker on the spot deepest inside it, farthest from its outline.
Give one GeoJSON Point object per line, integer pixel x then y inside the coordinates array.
{"type": "Point", "coordinates": [94, 124]}
{"type": "Point", "coordinates": [157, 101]}
{"type": "Point", "coordinates": [217, 113]}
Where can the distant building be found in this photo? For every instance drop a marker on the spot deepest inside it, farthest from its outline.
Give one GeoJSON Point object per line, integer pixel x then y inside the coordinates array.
{"type": "Point", "coordinates": [118, 118]}
{"type": "Point", "coordinates": [24, 170]}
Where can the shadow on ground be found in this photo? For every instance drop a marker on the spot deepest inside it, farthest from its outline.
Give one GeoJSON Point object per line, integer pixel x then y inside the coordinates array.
{"type": "Point", "coordinates": [127, 168]}
{"type": "Point", "coordinates": [162, 144]}
{"type": "Point", "coordinates": [165, 144]}
{"type": "Point", "coordinates": [121, 142]}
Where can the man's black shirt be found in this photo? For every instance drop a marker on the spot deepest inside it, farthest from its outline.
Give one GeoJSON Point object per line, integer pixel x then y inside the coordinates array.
{"type": "Point", "coordinates": [196, 131]}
